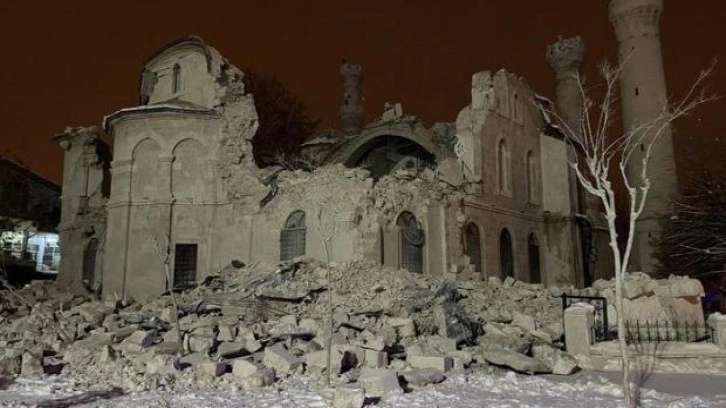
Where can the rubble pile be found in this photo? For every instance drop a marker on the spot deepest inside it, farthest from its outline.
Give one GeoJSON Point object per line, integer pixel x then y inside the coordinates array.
{"type": "Point", "coordinates": [250, 325]}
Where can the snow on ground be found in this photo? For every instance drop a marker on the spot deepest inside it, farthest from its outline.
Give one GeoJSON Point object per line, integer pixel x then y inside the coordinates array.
{"type": "Point", "coordinates": [459, 391]}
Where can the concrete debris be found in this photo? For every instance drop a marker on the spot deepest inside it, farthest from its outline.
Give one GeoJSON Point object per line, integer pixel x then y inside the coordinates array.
{"type": "Point", "coordinates": [253, 324]}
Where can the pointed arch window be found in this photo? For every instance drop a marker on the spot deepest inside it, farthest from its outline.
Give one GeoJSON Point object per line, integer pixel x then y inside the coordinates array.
{"type": "Point", "coordinates": [176, 79]}
{"type": "Point", "coordinates": [412, 241]}
{"type": "Point", "coordinates": [506, 254]}
{"type": "Point", "coordinates": [292, 236]}
{"type": "Point", "coordinates": [472, 246]}
{"type": "Point", "coordinates": [533, 249]}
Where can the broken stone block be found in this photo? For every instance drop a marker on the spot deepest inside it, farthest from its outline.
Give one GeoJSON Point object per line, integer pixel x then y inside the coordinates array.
{"type": "Point", "coordinates": [406, 327]}
{"type": "Point", "coordinates": [227, 332]}
{"type": "Point", "coordinates": [193, 359]}
{"type": "Point", "coordinates": [211, 369]}
{"type": "Point", "coordinates": [244, 368]}
{"type": "Point", "coordinates": [440, 363]}
{"type": "Point", "coordinates": [247, 338]}
{"type": "Point", "coordinates": [526, 322]}
{"type": "Point", "coordinates": [138, 341]}
{"type": "Point", "coordinates": [171, 336]}
{"type": "Point", "coordinates": [340, 360]}
{"type": "Point", "coordinates": [495, 341]}
{"type": "Point", "coordinates": [288, 320]}
{"type": "Point", "coordinates": [516, 361]}
{"type": "Point", "coordinates": [311, 326]}
{"type": "Point", "coordinates": [261, 378]}
{"type": "Point", "coordinates": [348, 396]}
{"type": "Point", "coordinates": [280, 360]}
{"type": "Point", "coordinates": [423, 376]}
{"type": "Point", "coordinates": [31, 365]}
{"type": "Point", "coordinates": [379, 382]}
{"type": "Point", "coordinates": [10, 366]}
{"type": "Point", "coordinates": [105, 355]}
{"type": "Point", "coordinates": [200, 343]}
{"type": "Point", "coordinates": [162, 364]}
{"type": "Point", "coordinates": [230, 349]}
{"type": "Point", "coordinates": [375, 358]}
{"type": "Point", "coordinates": [564, 364]}
{"type": "Point", "coordinates": [168, 315]}
{"type": "Point", "coordinates": [442, 344]}
{"type": "Point", "coordinates": [78, 357]}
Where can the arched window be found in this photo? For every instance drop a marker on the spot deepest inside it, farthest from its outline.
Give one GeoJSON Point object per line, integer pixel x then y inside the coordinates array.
{"type": "Point", "coordinates": [531, 170]}
{"type": "Point", "coordinates": [412, 242]}
{"type": "Point", "coordinates": [89, 262]}
{"type": "Point", "coordinates": [503, 167]}
{"type": "Point", "coordinates": [292, 237]}
{"type": "Point", "coordinates": [506, 255]}
{"type": "Point", "coordinates": [533, 249]}
{"type": "Point", "coordinates": [472, 245]}
{"type": "Point", "coordinates": [176, 79]}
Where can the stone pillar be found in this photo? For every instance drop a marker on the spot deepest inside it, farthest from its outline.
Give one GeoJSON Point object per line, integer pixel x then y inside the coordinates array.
{"type": "Point", "coordinates": [579, 328]}
{"type": "Point", "coordinates": [643, 94]}
{"type": "Point", "coordinates": [717, 323]}
{"type": "Point", "coordinates": [565, 57]}
{"type": "Point", "coordinates": [351, 111]}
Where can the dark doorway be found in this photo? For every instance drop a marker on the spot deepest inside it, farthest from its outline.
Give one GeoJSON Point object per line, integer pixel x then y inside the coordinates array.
{"type": "Point", "coordinates": [506, 255]}
{"type": "Point", "coordinates": [534, 273]}
{"type": "Point", "coordinates": [472, 244]}
{"type": "Point", "coordinates": [412, 242]}
{"type": "Point", "coordinates": [185, 264]}
{"type": "Point", "coordinates": [89, 262]}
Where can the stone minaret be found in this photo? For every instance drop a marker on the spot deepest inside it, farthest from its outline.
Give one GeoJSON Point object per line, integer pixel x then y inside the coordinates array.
{"type": "Point", "coordinates": [351, 111]}
{"type": "Point", "coordinates": [565, 57]}
{"type": "Point", "coordinates": [643, 95]}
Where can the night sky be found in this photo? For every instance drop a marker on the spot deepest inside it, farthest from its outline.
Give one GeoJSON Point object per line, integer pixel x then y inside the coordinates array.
{"type": "Point", "coordinates": [71, 62]}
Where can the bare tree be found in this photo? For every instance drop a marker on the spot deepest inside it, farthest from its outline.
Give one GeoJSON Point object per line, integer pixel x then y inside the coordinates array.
{"type": "Point", "coordinates": [326, 234]}
{"type": "Point", "coordinates": [598, 148]}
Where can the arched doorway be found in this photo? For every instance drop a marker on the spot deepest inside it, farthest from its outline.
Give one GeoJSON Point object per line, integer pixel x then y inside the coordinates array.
{"type": "Point", "coordinates": [506, 254]}
{"type": "Point", "coordinates": [387, 154]}
{"type": "Point", "coordinates": [533, 249]}
{"type": "Point", "coordinates": [412, 241]}
{"type": "Point", "coordinates": [89, 262]}
{"type": "Point", "coordinates": [472, 246]}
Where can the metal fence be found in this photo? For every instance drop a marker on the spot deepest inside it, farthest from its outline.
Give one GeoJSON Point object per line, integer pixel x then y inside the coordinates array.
{"type": "Point", "coordinates": [667, 330]}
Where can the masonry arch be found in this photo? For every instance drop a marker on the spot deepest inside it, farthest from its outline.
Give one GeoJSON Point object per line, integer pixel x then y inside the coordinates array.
{"type": "Point", "coordinates": [506, 254]}
{"type": "Point", "coordinates": [145, 169]}
{"type": "Point", "coordinates": [504, 169]}
{"type": "Point", "coordinates": [292, 236]}
{"type": "Point", "coordinates": [412, 240]}
{"type": "Point", "coordinates": [190, 168]}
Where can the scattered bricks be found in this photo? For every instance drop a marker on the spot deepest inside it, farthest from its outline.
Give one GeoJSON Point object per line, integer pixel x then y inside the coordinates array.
{"type": "Point", "coordinates": [244, 368]}
{"type": "Point", "coordinates": [379, 382]}
{"type": "Point", "coordinates": [279, 359]}
{"type": "Point", "coordinates": [375, 358]}
{"type": "Point", "coordinates": [259, 379]}
{"type": "Point", "coordinates": [423, 376]}
{"type": "Point", "coordinates": [211, 369]}
{"type": "Point", "coordinates": [348, 396]}
{"type": "Point", "coordinates": [162, 364]}
{"type": "Point", "coordinates": [227, 332]}
{"type": "Point", "coordinates": [441, 363]}
{"type": "Point", "coordinates": [230, 349]}
{"type": "Point", "coordinates": [31, 365]}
